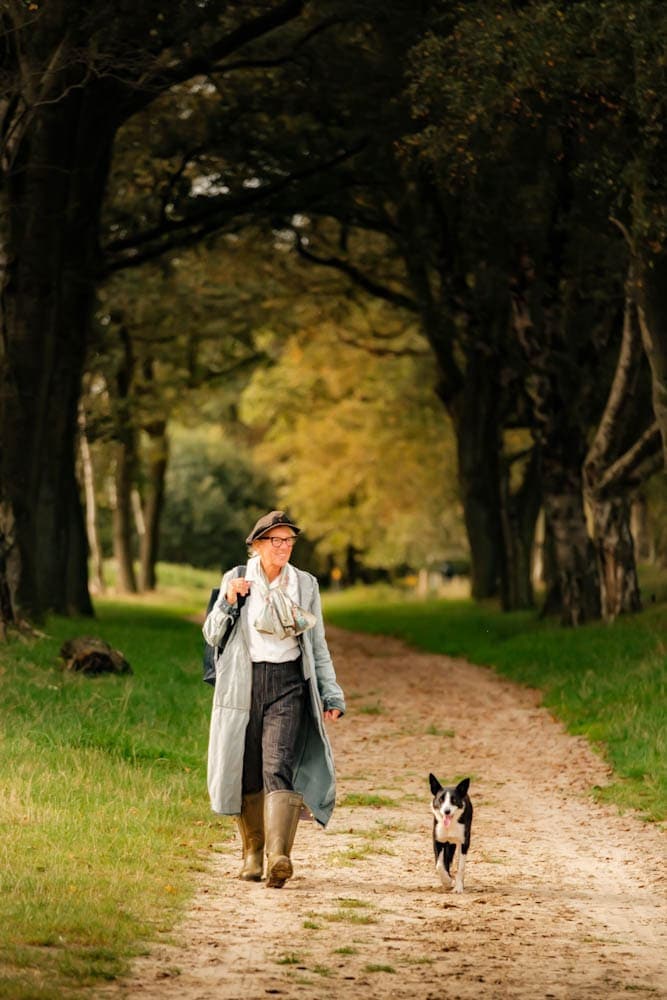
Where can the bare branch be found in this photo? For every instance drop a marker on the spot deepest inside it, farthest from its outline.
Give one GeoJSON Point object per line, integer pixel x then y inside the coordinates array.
{"type": "Point", "coordinates": [206, 62]}
{"type": "Point", "coordinates": [278, 60]}
{"type": "Point", "coordinates": [381, 352]}
{"type": "Point", "coordinates": [210, 218]}
{"type": "Point", "coordinates": [626, 235]}
{"type": "Point", "coordinates": [626, 368]}
{"type": "Point", "coordinates": [186, 160]}
{"type": "Point", "coordinates": [635, 466]}
{"type": "Point", "coordinates": [358, 277]}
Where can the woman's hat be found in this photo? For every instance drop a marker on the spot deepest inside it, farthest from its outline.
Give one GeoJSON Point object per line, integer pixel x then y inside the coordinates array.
{"type": "Point", "coordinates": [268, 521]}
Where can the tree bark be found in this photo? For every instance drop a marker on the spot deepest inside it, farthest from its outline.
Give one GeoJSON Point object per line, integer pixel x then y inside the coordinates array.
{"type": "Point", "coordinates": [475, 419]}
{"type": "Point", "coordinates": [520, 511]}
{"type": "Point", "coordinates": [610, 511]}
{"type": "Point", "coordinates": [55, 191]}
{"type": "Point", "coordinates": [644, 543]}
{"type": "Point", "coordinates": [552, 604]}
{"type": "Point", "coordinates": [126, 581]}
{"type": "Point", "coordinates": [157, 459]}
{"type": "Point", "coordinates": [88, 476]}
{"type": "Point", "coordinates": [562, 447]}
{"type": "Point", "coordinates": [651, 298]}
{"type": "Point", "coordinates": [614, 548]}
{"type": "Point", "coordinates": [573, 553]}
{"type": "Point", "coordinates": [125, 454]}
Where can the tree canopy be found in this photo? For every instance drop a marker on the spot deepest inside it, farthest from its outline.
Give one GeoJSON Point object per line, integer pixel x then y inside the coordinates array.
{"type": "Point", "coordinates": [483, 180]}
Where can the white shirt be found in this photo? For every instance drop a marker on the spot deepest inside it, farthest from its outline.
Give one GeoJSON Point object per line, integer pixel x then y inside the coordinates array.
{"type": "Point", "coordinates": [264, 647]}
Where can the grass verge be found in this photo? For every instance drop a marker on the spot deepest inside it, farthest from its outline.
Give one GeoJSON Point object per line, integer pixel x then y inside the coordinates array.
{"type": "Point", "coordinates": [104, 818]}
{"type": "Point", "coordinates": [607, 682]}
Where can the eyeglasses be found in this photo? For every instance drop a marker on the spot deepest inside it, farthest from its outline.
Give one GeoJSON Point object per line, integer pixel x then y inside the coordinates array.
{"type": "Point", "coordinates": [278, 542]}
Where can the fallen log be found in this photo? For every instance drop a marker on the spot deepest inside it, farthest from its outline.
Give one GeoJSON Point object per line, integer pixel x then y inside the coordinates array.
{"type": "Point", "coordinates": [92, 656]}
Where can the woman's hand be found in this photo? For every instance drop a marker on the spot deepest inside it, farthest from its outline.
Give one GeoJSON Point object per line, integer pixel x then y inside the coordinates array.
{"type": "Point", "coordinates": [332, 714]}
{"type": "Point", "coordinates": [239, 585]}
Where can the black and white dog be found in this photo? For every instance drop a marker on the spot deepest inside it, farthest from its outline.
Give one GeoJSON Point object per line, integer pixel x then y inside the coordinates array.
{"type": "Point", "coordinates": [452, 820]}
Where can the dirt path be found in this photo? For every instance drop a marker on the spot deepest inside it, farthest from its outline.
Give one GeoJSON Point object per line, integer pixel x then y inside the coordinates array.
{"type": "Point", "coordinates": [563, 898]}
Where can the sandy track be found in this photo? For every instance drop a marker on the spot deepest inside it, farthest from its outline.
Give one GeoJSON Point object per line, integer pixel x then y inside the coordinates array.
{"type": "Point", "coordinates": [563, 897]}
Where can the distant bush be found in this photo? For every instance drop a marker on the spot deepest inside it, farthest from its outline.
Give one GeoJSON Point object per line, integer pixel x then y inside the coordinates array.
{"type": "Point", "coordinates": [214, 494]}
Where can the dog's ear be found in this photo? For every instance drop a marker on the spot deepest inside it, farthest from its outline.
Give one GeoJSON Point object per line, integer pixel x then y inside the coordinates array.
{"type": "Point", "coordinates": [462, 787]}
{"type": "Point", "coordinates": [435, 784]}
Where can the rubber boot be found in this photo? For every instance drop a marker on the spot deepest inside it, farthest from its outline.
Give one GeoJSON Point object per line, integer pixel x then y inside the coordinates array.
{"type": "Point", "coordinates": [251, 828]}
{"type": "Point", "coordinates": [281, 817]}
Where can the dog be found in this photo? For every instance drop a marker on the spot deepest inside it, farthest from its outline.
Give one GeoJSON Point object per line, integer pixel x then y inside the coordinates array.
{"type": "Point", "coordinates": [452, 822]}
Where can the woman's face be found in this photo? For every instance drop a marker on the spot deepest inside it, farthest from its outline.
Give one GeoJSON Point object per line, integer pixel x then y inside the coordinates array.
{"type": "Point", "coordinates": [275, 549]}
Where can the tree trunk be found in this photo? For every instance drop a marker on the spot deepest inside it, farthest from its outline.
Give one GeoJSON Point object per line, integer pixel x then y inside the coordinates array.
{"type": "Point", "coordinates": [126, 582]}
{"type": "Point", "coordinates": [476, 424]}
{"type": "Point", "coordinates": [615, 552]}
{"type": "Point", "coordinates": [469, 391]}
{"type": "Point", "coordinates": [553, 601]}
{"type": "Point", "coordinates": [77, 601]}
{"type": "Point", "coordinates": [559, 431]}
{"type": "Point", "coordinates": [54, 193]}
{"type": "Point", "coordinates": [573, 552]}
{"type": "Point", "coordinates": [618, 459]}
{"type": "Point", "coordinates": [125, 454]}
{"type": "Point", "coordinates": [520, 511]}
{"type": "Point", "coordinates": [651, 298]}
{"type": "Point", "coordinates": [351, 566]}
{"type": "Point", "coordinates": [644, 543]}
{"type": "Point", "coordinates": [88, 476]}
{"type": "Point", "coordinates": [158, 456]}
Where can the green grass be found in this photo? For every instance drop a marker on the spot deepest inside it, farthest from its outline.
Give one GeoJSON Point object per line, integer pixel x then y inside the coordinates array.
{"type": "Point", "coordinates": [104, 818]}
{"type": "Point", "coordinates": [607, 682]}
{"type": "Point", "coordinates": [372, 801]}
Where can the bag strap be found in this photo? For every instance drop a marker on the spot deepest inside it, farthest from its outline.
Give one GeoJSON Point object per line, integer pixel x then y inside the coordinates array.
{"type": "Point", "coordinates": [240, 600]}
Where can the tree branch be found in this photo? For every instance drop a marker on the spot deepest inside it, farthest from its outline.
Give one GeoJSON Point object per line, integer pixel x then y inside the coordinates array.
{"type": "Point", "coordinates": [278, 60]}
{"type": "Point", "coordinates": [382, 352]}
{"type": "Point", "coordinates": [635, 466]}
{"type": "Point", "coordinates": [206, 62]}
{"type": "Point", "coordinates": [358, 277]}
{"type": "Point", "coordinates": [626, 368]}
{"type": "Point", "coordinates": [210, 218]}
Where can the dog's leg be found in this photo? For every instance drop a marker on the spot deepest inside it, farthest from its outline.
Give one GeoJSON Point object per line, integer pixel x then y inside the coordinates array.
{"type": "Point", "coordinates": [460, 870]}
{"type": "Point", "coordinates": [440, 869]}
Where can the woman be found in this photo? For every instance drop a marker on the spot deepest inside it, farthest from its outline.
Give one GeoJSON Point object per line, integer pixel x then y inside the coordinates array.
{"type": "Point", "coordinates": [275, 685]}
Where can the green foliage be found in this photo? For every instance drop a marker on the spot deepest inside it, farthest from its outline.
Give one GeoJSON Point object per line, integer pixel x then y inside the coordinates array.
{"type": "Point", "coordinates": [547, 83]}
{"type": "Point", "coordinates": [214, 495]}
{"type": "Point", "coordinates": [368, 801]}
{"type": "Point", "coordinates": [606, 682]}
{"type": "Point", "coordinates": [356, 442]}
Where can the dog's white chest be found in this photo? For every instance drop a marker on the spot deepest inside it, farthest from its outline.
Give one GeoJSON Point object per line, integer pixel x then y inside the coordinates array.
{"type": "Point", "coordinates": [449, 833]}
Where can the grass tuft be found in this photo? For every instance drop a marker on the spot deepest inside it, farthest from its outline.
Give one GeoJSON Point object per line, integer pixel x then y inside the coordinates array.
{"type": "Point", "coordinates": [356, 799]}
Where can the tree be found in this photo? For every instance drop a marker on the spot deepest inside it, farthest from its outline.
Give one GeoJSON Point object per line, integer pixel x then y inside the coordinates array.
{"type": "Point", "coordinates": [72, 74]}
{"type": "Point", "coordinates": [384, 226]}
{"type": "Point", "coordinates": [169, 339]}
{"type": "Point", "coordinates": [214, 494]}
{"type": "Point", "coordinates": [526, 105]}
{"type": "Point", "coordinates": [353, 437]}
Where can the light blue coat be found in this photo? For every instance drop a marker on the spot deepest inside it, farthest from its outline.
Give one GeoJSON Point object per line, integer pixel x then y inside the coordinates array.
{"type": "Point", "coordinates": [314, 776]}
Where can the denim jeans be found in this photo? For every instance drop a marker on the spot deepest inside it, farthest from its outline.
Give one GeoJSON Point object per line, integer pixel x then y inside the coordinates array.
{"type": "Point", "coordinates": [276, 728]}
